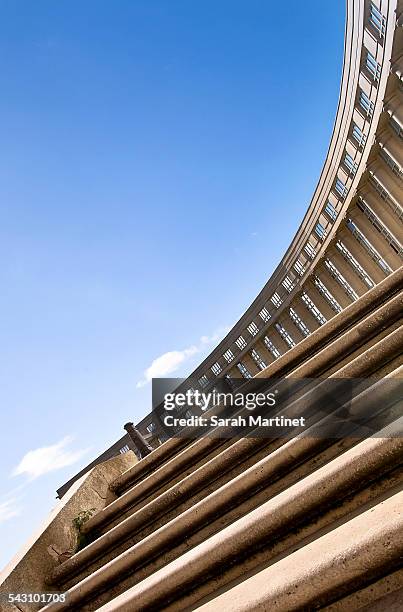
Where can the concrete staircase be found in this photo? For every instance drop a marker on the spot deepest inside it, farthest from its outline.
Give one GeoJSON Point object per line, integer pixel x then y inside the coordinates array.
{"type": "Point", "coordinates": [262, 524]}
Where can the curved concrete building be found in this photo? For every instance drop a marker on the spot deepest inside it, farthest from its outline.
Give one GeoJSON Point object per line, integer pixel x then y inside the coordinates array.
{"type": "Point", "coordinates": [351, 237]}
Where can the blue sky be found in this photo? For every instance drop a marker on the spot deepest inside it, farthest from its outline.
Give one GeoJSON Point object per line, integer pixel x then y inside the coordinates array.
{"type": "Point", "coordinates": [156, 159]}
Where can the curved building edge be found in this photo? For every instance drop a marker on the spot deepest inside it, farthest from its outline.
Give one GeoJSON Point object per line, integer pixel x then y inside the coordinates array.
{"type": "Point", "coordinates": [351, 235]}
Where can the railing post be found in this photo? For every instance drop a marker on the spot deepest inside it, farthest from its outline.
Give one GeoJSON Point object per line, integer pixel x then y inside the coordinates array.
{"type": "Point", "coordinates": [139, 441]}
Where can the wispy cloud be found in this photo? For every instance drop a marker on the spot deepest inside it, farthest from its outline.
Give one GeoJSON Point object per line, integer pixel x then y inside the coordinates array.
{"type": "Point", "coordinates": [8, 509]}
{"type": "Point", "coordinates": [169, 362]}
{"type": "Point", "coordinates": [46, 459]}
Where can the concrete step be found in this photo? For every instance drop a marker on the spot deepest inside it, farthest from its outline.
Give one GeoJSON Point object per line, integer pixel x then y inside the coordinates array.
{"type": "Point", "coordinates": [196, 520]}
{"type": "Point", "coordinates": [256, 462]}
{"type": "Point", "coordinates": [209, 477]}
{"type": "Point", "coordinates": [337, 563]}
{"type": "Point", "coordinates": [197, 453]}
{"type": "Point", "coordinates": [358, 324]}
{"type": "Point", "coordinates": [298, 504]}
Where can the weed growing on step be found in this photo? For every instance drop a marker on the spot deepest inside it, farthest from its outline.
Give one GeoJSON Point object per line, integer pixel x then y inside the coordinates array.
{"type": "Point", "coordinates": [78, 523]}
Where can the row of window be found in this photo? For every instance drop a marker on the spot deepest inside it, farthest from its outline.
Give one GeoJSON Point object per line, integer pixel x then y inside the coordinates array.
{"type": "Point", "coordinates": [359, 136]}
{"type": "Point", "coordinates": [265, 315]}
{"type": "Point", "coordinates": [270, 346]}
{"type": "Point", "coordinates": [321, 287]}
{"type": "Point", "coordinates": [313, 309]}
{"type": "Point", "coordinates": [358, 269]}
{"type": "Point", "coordinates": [257, 359]}
{"type": "Point", "coordinates": [276, 300]}
{"type": "Point", "coordinates": [288, 284]}
{"type": "Point", "coordinates": [299, 323]}
{"type": "Point", "coordinates": [391, 162]}
{"type": "Point", "coordinates": [396, 126]}
{"type": "Point", "coordinates": [283, 332]}
{"type": "Point", "coordinates": [377, 20]}
{"type": "Point", "coordinates": [331, 211]}
{"type": "Point", "coordinates": [372, 66]}
{"type": "Point", "coordinates": [240, 342]}
{"type": "Point", "coordinates": [350, 164]}
{"type": "Point", "coordinates": [336, 274]}
{"type": "Point", "coordinates": [372, 252]}
{"type": "Point", "coordinates": [386, 196]}
{"type": "Point", "coordinates": [252, 329]}
{"type": "Point", "coordinates": [379, 226]}
{"type": "Point", "coordinates": [341, 188]}
{"type": "Point", "coordinates": [366, 104]}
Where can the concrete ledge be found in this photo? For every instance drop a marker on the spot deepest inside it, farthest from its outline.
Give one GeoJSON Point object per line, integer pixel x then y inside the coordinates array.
{"type": "Point", "coordinates": [271, 520]}
{"type": "Point", "coordinates": [363, 365]}
{"type": "Point", "coordinates": [323, 571]}
{"type": "Point", "coordinates": [27, 571]}
{"type": "Point", "coordinates": [273, 466]}
{"type": "Point", "coordinates": [148, 464]}
{"type": "Point", "coordinates": [164, 474]}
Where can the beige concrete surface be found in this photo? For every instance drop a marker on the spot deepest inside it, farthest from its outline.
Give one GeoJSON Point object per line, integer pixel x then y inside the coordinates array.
{"type": "Point", "coordinates": [28, 570]}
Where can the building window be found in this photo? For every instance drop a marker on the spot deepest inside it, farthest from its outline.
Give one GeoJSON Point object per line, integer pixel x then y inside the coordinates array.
{"type": "Point", "coordinates": [358, 136]}
{"type": "Point", "coordinates": [358, 269]}
{"type": "Point", "coordinates": [288, 284]}
{"type": "Point", "coordinates": [385, 195]}
{"type": "Point", "coordinates": [270, 347]}
{"type": "Point", "coordinates": [244, 370]}
{"type": "Point", "coordinates": [203, 381]}
{"type": "Point", "coordinates": [334, 272]}
{"type": "Point", "coordinates": [321, 287]}
{"type": "Point", "coordinates": [253, 328]}
{"type": "Point", "coordinates": [151, 428]}
{"type": "Point", "coordinates": [391, 162]}
{"type": "Point", "coordinates": [276, 299]}
{"type": "Point", "coordinates": [331, 211]}
{"type": "Point", "coordinates": [285, 335]}
{"type": "Point", "coordinates": [265, 315]}
{"type": "Point", "coordinates": [350, 163]}
{"type": "Point", "coordinates": [309, 250]}
{"type": "Point", "coordinates": [373, 253]}
{"type": "Point", "coordinates": [299, 268]}
{"type": "Point", "coordinates": [366, 103]}
{"type": "Point", "coordinates": [314, 310]}
{"type": "Point", "coordinates": [298, 322]}
{"type": "Point", "coordinates": [320, 231]}
{"type": "Point", "coordinates": [340, 188]}
{"type": "Point", "coordinates": [240, 342]}
{"type": "Point", "coordinates": [380, 227]}
{"type": "Point", "coordinates": [257, 359]}
{"type": "Point", "coordinates": [372, 66]}
{"type": "Point", "coordinates": [377, 20]}
{"type": "Point", "coordinates": [396, 126]}
{"type": "Point", "coordinates": [216, 368]}
{"type": "Point", "coordinates": [229, 356]}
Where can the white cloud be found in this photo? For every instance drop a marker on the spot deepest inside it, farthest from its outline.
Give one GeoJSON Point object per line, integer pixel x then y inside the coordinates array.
{"type": "Point", "coordinates": [9, 509]}
{"type": "Point", "coordinates": [48, 458]}
{"type": "Point", "coordinates": [169, 362]}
